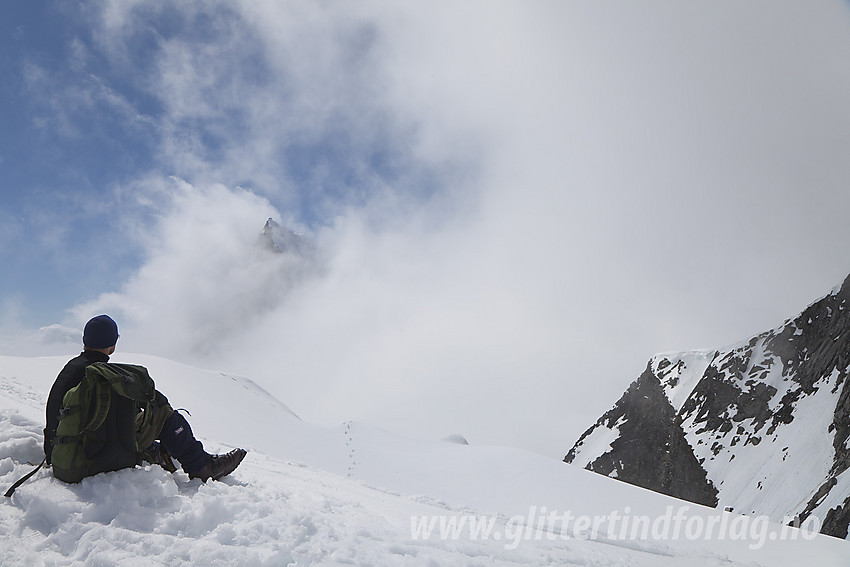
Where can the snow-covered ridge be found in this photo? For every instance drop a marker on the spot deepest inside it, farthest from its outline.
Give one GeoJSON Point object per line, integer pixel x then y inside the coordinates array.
{"type": "Point", "coordinates": [308, 494]}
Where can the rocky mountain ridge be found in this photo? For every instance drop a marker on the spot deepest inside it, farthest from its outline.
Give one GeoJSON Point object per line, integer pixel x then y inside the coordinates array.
{"type": "Point", "coordinates": [762, 427]}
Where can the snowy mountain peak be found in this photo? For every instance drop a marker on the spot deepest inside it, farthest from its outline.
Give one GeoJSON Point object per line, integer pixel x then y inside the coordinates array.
{"type": "Point", "coordinates": [765, 422]}
{"type": "Point", "coordinates": [284, 241]}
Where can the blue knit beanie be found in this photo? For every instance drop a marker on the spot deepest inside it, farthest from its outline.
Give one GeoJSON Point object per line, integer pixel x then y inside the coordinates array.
{"type": "Point", "coordinates": [100, 332]}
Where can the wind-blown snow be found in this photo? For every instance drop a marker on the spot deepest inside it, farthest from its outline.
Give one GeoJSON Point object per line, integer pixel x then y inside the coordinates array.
{"type": "Point", "coordinates": [308, 494]}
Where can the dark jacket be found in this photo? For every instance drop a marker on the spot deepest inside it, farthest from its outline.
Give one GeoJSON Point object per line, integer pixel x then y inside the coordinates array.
{"type": "Point", "coordinates": [69, 377]}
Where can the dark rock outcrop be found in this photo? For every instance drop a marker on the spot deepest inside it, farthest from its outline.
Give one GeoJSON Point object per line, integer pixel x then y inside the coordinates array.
{"type": "Point", "coordinates": [651, 450]}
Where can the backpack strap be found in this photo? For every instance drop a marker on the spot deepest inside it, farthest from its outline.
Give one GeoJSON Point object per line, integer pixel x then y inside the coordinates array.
{"type": "Point", "coordinates": [103, 399]}
{"type": "Point", "coordinates": [25, 478]}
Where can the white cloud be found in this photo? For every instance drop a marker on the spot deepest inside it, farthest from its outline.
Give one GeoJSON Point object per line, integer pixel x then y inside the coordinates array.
{"type": "Point", "coordinates": [205, 276]}
{"type": "Point", "coordinates": [612, 180]}
{"type": "Point", "coordinates": [52, 339]}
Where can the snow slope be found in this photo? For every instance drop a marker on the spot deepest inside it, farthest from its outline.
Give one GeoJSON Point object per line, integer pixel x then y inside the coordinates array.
{"type": "Point", "coordinates": [349, 494]}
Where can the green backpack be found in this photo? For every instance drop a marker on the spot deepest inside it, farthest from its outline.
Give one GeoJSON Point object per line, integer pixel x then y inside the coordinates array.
{"type": "Point", "coordinates": [103, 421]}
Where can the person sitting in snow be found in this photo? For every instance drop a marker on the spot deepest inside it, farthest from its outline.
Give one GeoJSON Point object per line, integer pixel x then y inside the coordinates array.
{"type": "Point", "coordinates": [171, 429]}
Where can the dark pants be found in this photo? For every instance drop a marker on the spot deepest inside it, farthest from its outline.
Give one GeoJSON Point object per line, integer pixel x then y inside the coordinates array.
{"type": "Point", "coordinates": [175, 434]}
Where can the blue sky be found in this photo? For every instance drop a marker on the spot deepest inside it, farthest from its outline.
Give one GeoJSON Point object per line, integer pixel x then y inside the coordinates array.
{"type": "Point", "coordinates": [518, 204]}
{"type": "Point", "coordinates": [82, 118]}
{"type": "Point", "coordinates": [63, 154]}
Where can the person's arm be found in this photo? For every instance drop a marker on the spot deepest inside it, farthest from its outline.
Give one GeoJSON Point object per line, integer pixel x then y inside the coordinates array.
{"type": "Point", "coordinates": [69, 377]}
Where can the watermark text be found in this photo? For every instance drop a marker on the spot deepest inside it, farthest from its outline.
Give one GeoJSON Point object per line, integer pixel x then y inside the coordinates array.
{"type": "Point", "coordinates": [675, 524]}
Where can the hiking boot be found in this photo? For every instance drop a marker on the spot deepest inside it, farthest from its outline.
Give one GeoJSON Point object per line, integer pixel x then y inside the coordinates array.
{"type": "Point", "coordinates": [220, 465]}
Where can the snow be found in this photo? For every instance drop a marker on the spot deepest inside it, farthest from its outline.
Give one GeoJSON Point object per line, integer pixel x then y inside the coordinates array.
{"type": "Point", "coordinates": [597, 443]}
{"type": "Point", "coordinates": [766, 468]}
{"type": "Point", "coordinates": [342, 495]}
{"type": "Point", "coordinates": [798, 449]}
{"type": "Point", "coordinates": [836, 496]}
{"type": "Point", "coordinates": [681, 373]}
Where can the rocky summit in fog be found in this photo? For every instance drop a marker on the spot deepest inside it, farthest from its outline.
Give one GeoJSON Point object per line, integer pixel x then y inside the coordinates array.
{"type": "Point", "coordinates": [761, 427]}
{"type": "Point", "coordinates": [283, 241]}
